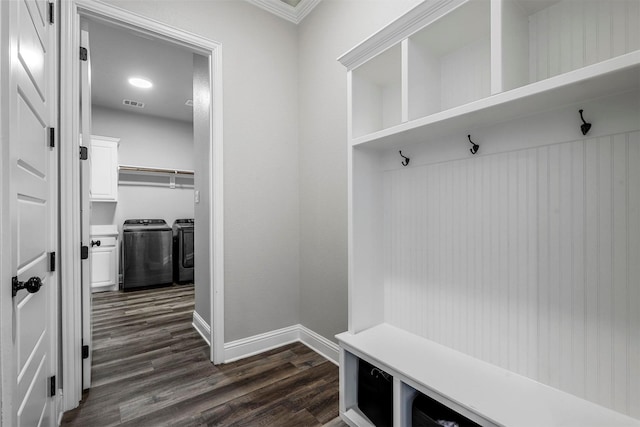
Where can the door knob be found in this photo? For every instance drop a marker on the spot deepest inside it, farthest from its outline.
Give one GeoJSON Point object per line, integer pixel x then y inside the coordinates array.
{"type": "Point", "coordinates": [32, 285]}
{"type": "Point", "coordinates": [95, 243]}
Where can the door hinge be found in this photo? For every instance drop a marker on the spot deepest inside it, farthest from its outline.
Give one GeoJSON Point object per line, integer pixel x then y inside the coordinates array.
{"type": "Point", "coordinates": [84, 252]}
{"type": "Point", "coordinates": [52, 261]}
{"type": "Point", "coordinates": [84, 53]}
{"type": "Point", "coordinates": [52, 386]}
{"type": "Point", "coordinates": [85, 352]}
{"type": "Point", "coordinates": [84, 153]}
{"type": "Point", "coordinates": [52, 9]}
{"type": "Point", "coordinates": [52, 137]}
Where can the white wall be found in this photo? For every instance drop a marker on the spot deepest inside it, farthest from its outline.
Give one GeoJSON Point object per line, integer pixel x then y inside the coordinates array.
{"type": "Point", "coordinates": [150, 142]}
{"type": "Point", "coordinates": [260, 156]}
{"type": "Point", "coordinates": [330, 30]}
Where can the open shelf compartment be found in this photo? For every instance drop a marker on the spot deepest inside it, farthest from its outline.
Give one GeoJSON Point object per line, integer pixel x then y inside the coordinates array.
{"type": "Point", "coordinates": [449, 61]}
{"type": "Point", "coordinates": [546, 38]}
{"type": "Point", "coordinates": [376, 88]}
{"type": "Point", "coordinates": [615, 75]}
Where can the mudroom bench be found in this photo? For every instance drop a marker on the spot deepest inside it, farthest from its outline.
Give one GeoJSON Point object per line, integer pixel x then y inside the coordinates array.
{"type": "Point", "coordinates": [481, 392]}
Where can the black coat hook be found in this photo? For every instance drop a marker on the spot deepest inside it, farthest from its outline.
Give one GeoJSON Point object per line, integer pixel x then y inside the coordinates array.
{"type": "Point", "coordinates": [584, 127]}
{"type": "Point", "coordinates": [475, 147]}
{"type": "Point", "coordinates": [406, 160]}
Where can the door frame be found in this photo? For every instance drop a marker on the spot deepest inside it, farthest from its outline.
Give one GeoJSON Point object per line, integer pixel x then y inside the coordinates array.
{"type": "Point", "coordinates": [71, 11]}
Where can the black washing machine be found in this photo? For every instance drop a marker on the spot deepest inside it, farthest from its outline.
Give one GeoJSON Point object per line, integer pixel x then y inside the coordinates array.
{"type": "Point", "coordinates": [183, 250]}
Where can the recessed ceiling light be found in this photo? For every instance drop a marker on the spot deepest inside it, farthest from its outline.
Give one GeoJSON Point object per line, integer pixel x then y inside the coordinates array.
{"type": "Point", "coordinates": [140, 82]}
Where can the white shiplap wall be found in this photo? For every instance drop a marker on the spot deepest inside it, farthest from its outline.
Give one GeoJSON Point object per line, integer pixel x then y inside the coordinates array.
{"type": "Point", "coordinates": [466, 74]}
{"type": "Point", "coordinates": [575, 33]}
{"type": "Point", "coordinates": [528, 259]}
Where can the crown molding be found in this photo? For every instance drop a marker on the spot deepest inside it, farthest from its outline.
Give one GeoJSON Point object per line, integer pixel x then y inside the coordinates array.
{"type": "Point", "coordinates": [285, 11]}
{"type": "Point", "coordinates": [398, 30]}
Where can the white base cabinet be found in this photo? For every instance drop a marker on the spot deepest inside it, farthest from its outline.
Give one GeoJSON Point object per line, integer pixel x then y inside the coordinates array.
{"type": "Point", "coordinates": [104, 258]}
{"type": "Point", "coordinates": [503, 283]}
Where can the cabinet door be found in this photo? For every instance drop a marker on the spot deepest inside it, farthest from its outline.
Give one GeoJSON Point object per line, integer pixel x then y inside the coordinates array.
{"type": "Point", "coordinates": [103, 264]}
{"type": "Point", "coordinates": [104, 170]}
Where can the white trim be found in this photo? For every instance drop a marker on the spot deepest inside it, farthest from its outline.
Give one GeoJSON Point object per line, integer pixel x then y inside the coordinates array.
{"type": "Point", "coordinates": [70, 205]}
{"type": "Point", "coordinates": [103, 288]}
{"type": "Point", "coordinates": [392, 34]}
{"type": "Point", "coordinates": [202, 327]}
{"type": "Point", "coordinates": [70, 29]}
{"type": "Point", "coordinates": [285, 11]}
{"type": "Point", "coordinates": [260, 343]}
{"type": "Point", "coordinates": [96, 9]}
{"type": "Point", "coordinates": [216, 208]}
{"type": "Point", "coordinates": [316, 342]}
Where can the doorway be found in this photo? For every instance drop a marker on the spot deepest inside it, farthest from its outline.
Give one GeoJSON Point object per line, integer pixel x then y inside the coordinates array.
{"type": "Point", "coordinates": [207, 183]}
{"type": "Point", "coordinates": [140, 206]}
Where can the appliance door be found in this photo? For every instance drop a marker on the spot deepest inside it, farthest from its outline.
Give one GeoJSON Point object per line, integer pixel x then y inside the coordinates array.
{"type": "Point", "coordinates": [187, 248]}
{"type": "Point", "coordinates": [147, 258]}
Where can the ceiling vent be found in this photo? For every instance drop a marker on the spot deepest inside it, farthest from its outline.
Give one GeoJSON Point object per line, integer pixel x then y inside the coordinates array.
{"type": "Point", "coordinates": [189, 103]}
{"type": "Point", "coordinates": [131, 103]}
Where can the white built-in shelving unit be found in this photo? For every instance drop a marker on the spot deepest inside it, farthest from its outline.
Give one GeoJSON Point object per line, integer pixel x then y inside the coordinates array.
{"type": "Point", "coordinates": [503, 284]}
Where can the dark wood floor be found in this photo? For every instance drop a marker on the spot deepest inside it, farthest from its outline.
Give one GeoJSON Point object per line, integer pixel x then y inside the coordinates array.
{"type": "Point", "coordinates": [150, 368]}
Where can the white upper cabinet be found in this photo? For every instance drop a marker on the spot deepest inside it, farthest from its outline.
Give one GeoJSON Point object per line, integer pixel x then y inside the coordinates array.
{"type": "Point", "coordinates": [104, 169]}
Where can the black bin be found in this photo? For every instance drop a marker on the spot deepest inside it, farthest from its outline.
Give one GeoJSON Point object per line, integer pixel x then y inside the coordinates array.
{"type": "Point", "coordinates": [375, 394]}
{"type": "Point", "coordinates": [431, 413]}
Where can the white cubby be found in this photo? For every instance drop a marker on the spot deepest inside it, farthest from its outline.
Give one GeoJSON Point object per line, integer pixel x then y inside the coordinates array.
{"type": "Point", "coordinates": [547, 38]}
{"type": "Point", "coordinates": [376, 86]}
{"type": "Point", "coordinates": [449, 61]}
{"type": "Point", "coordinates": [462, 268]}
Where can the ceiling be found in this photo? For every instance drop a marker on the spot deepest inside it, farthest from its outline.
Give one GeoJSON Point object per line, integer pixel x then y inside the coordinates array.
{"type": "Point", "coordinates": [117, 54]}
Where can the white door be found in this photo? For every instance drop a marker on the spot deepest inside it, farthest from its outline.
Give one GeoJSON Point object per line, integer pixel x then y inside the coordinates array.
{"type": "Point", "coordinates": [33, 195]}
{"type": "Point", "coordinates": [85, 204]}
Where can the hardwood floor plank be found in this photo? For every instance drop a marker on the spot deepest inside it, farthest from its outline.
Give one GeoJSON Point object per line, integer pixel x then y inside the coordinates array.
{"type": "Point", "coordinates": [151, 368]}
{"type": "Point", "coordinates": [267, 399]}
{"type": "Point", "coordinates": [336, 422]}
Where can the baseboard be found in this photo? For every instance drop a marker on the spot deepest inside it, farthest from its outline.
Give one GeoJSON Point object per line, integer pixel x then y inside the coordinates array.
{"type": "Point", "coordinates": [104, 288]}
{"type": "Point", "coordinates": [257, 344]}
{"type": "Point", "coordinates": [202, 327]}
{"type": "Point", "coordinates": [58, 405]}
{"type": "Point", "coordinates": [316, 342]}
